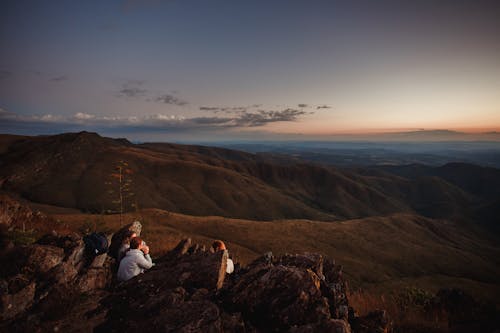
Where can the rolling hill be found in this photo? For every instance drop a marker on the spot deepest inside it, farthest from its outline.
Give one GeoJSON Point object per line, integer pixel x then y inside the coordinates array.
{"type": "Point", "coordinates": [72, 170]}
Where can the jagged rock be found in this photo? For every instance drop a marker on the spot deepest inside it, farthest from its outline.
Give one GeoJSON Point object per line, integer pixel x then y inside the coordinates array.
{"type": "Point", "coordinates": [63, 273]}
{"type": "Point", "coordinates": [17, 282]}
{"type": "Point", "coordinates": [200, 270]}
{"type": "Point", "coordinates": [280, 296]}
{"type": "Point", "coordinates": [98, 275]}
{"type": "Point", "coordinates": [187, 291]}
{"type": "Point", "coordinates": [233, 322]}
{"type": "Point", "coordinates": [14, 214]}
{"type": "Point", "coordinates": [42, 258]}
{"type": "Point", "coordinates": [181, 249]}
{"type": "Point", "coordinates": [117, 239]}
{"type": "Point", "coordinates": [175, 294]}
{"type": "Point", "coordinates": [47, 278]}
{"type": "Point", "coordinates": [309, 260]}
{"type": "Point", "coordinates": [167, 311]}
{"type": "Point", "coordinates": [12, 211]}
{"type": "Point", "coordinates": [57, 301]}
{"type": "Point", "coordinates": [15, 303]}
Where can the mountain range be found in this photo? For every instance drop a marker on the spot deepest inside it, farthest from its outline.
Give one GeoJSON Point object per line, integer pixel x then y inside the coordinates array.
{"type": "Point", "coordinates": [75, 170]}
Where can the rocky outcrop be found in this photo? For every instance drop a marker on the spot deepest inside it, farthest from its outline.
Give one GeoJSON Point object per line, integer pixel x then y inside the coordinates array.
{"type": "Point", "coordinates": [15, 214]}
{"type": "Point", "coordinates": [41, 276]}
{"type": "Point", "coordinates": [187, 290]}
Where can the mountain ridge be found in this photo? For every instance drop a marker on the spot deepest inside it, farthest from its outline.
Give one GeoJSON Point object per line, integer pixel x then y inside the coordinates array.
{"type": "Point", "coordinates": [70, 170]}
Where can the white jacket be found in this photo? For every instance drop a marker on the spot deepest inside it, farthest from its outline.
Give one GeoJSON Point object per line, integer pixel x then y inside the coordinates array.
{"type": "Point", "coordinates": [230, 266]}
{"type": "Point", "coordinates": [134, 263]}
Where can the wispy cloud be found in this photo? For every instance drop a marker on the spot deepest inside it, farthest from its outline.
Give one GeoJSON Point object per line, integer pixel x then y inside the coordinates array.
{"type": "Point", "coordinates": [209, 108]}
{"type": "Point", "coordinates": [229, 109]}
{"type": "Point", "coordinates": [170, 99]}
{"type": "Point", "coordinates": [302, 105]}
{"type": "Point", "coordinates": [242, 117]}
{"type": "Point", "coordinates": [59, 78]}
{"type": "Point", "coordinates": [137, 89]}
{"type": "Point", "coordinates": [263, 117]}
{"type": "Point", "coordinates": [132, 88]}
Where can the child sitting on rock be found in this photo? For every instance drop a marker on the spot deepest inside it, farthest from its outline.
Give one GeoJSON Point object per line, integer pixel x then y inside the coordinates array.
{"type": "Point", "coordinates": [136, 260]}
{"type": "Point", "coordinates": [219, 245]}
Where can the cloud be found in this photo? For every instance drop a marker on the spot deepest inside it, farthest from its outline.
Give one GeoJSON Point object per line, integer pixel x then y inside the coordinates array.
{"type": "Point", "coordinates": [229, 109]}
{"type": "Point", "coordinates": [243, 118]}
{"type": "Point", "coordinates": [48, 123]}
{"type": "Point", "coordinates": [59, 78]}
{"type": "Point", "coordinates": [4, 74]}
{"type": "Point", "coordinates": [263, 117]}
{"type": "Point", "coordinates": [136, 89]}
{"type": "Point", "coordinates": [84, 116]}
{"type": "Point", "coordinates": [170, 99]}
{"type": "Point", "coordinates": [302, 105]}
{"type": "Point", "coordinates": [132, 88]}
{"type": "Point", "coordinates": [209, 108]}
{"type": "Point", "coordinates": [323, 107]}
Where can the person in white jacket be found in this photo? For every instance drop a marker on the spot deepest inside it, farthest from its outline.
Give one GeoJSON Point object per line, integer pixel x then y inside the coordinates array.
{"type": "Point", "coordinates": [136, 260]}
{"type": "Point", "coordinates": [219, 245]}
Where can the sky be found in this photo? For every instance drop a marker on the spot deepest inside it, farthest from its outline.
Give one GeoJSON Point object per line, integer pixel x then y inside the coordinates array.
{"type": "Point", "coordinates": [188, 70]}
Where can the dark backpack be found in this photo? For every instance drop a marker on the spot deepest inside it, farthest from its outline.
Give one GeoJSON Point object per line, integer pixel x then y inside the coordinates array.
{"type": "Point", "coordinates": [96, 243]}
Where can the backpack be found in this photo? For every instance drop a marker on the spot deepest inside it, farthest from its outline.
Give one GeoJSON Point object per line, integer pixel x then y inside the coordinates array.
{"type": "Point", "coordinates": [96, 243]}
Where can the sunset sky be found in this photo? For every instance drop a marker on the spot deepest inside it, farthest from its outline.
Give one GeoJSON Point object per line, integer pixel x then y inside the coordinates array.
{"type": "Point", "coordinates": [220, 69]}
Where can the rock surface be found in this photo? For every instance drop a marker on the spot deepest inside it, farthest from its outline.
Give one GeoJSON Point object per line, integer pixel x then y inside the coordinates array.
{"type": "Point", "coordinates": [188, 291]}
{"type": "Point", "coordinates": [55, 286]}
{"type": "Point", "coordinates": [118, 237]}
{"type": "Point", "coordinates": [41, 278]}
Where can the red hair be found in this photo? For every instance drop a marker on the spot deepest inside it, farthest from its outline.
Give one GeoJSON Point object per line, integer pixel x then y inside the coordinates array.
{"type": "Point", "coordinates": [135, 242]}
{"type": "Point", "coordinates": [218, 245]}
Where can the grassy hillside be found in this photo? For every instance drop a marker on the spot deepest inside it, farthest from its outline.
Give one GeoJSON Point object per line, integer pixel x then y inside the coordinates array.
{"type": "Point", "coordinates": [73, 170]}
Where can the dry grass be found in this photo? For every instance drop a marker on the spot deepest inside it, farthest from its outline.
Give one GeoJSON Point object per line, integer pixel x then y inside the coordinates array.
{"type": "Point", "coordinates": [404, 309]}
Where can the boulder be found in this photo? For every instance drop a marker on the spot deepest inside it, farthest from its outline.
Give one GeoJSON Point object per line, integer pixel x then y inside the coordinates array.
{"type": "Point", "coordinates": [118, 237]}
{"type": "Point", "coordinates": [45, 280]}
{"type": "Point", "coordinates": [63, 273]}
{"type": "Point", "coordinates": [15, 214]}
{"type": "Point", "coordinates": [280, 297]}
{"type": "Point", "coordinates": [97, 276]}
{"type": "Point", "coordinates": [42, 258]}
{"type": "Point", "coordinates": [310, 261]}
{"type": "Point", "coordinates": [195, 271]}
{"type": "Point", "coordinates": [15, 303]}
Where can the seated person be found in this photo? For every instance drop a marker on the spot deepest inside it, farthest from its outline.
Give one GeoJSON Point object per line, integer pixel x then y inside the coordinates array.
{"type": "Point", "coordinates": [136, 260]}
{"type": "Point", "coordinates": [219, 245]}
{"type": "Point", "coordinates": [125, 244]}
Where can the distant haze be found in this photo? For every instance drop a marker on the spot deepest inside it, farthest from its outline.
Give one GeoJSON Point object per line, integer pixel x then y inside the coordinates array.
{"type": "Point", "coordinates": [197, 70]}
